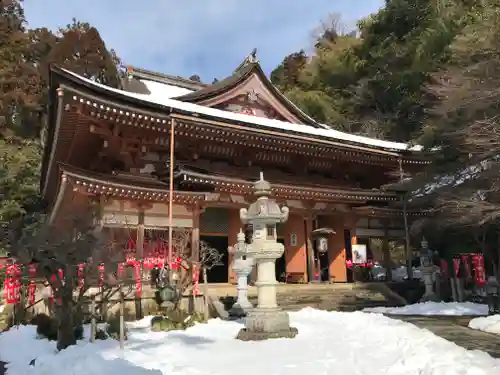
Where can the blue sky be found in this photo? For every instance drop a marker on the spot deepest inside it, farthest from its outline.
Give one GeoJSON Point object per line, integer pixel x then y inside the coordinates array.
{"type": "Point", "coordinates": [204, 37]}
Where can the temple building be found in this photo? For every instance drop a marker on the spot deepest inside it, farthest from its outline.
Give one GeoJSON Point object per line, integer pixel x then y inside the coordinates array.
{"type": "Point", "coordinates": [115, 147]}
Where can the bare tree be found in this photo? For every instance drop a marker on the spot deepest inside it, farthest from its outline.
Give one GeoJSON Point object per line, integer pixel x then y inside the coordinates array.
{"type": "Point", "coordinates": [72, 259]}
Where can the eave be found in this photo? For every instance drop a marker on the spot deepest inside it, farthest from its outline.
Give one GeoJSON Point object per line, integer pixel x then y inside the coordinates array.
{"type": "Point", "coordinates": [388, 212]}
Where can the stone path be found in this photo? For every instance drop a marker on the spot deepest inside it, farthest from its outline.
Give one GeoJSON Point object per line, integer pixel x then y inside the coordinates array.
{"type": "Point", "coordinates": [455, 329]}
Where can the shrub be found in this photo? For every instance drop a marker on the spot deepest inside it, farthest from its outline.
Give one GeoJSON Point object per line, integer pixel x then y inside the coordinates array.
{"type": "Point", "coordinates": [101, 334]}
{"type": "Point", "coordinates": [46, 327]}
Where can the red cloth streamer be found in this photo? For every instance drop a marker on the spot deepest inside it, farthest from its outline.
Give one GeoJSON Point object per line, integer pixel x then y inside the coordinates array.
{"type": "Point", "coordinates": [138, 281]}
{"type": "Point", "coordinates": [162, 249]}
{"type": "Point", "coordinates": [176, 263]}
{"type": "Point", "coordinates": [121, 271]}
{"type": "Point", "coordinates": [479, 272]}
{"type": "Point", "coordinates": [12, 284]}
{"type": "Point", "coordinates": [54, 278]}
{"type": "Point", "coordinates": [444, 267]}
{"type": "Point", "coordinates": [81, 276]}
{"type": "Point", "coordinates": [465, 261]}
{"type": "Point", "coordinates": [101, 274]}
{"type": "Point", "coordinates": [196, 278]}
{"type": "Point", "coordinates": [456, 266]}
{"type": "Point", "coordinates": [31, 285]}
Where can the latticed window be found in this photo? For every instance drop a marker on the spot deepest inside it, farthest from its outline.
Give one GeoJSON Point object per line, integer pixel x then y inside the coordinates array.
{"type": "Point", "coordinates": [270, 232]}
{"type": "Point", "coordinates": [214, 220]}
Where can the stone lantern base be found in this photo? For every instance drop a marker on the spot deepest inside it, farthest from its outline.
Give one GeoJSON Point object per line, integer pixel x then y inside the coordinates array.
{"type": "Point", "coordinates": [263, 324]}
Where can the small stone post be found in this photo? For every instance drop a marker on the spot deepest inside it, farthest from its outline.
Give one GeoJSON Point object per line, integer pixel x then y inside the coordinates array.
{"type": "Point", "coordinates": [242, 267]}
{"type": "Point", "coordinates": [267, 320]}
{"type": "Point", "coordinates": [492, 296]}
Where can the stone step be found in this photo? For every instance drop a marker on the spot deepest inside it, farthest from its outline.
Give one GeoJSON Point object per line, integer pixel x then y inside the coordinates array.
{"type": "Point", "coordinates": [346, 297]}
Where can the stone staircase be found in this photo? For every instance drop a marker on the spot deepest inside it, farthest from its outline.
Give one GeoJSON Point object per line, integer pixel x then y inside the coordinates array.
{"type": "Point", "coordinates": [331, 297]}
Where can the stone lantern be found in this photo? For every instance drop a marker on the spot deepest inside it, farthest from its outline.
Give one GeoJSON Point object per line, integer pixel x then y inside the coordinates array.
{"type": "Point", "coordinates": [428, 271]}
{"type": "Point", "coordinates": [267, 320]}
{"type": "Point", "coordinates": [242, 266]}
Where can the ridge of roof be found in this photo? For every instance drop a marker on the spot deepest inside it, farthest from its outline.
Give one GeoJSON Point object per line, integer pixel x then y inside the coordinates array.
{"type": "Point", "coordinates": [140, 73]}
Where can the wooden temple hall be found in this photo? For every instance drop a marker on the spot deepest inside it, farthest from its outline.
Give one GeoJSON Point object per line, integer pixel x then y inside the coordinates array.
{"type": "Point", "coordinates": [114, 147]}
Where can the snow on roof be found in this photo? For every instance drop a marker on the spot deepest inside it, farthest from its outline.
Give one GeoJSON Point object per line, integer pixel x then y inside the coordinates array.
{"type": "Point", "coordinates": [157, 97]}
{"type": "Point", "coordinates": [158, 89]}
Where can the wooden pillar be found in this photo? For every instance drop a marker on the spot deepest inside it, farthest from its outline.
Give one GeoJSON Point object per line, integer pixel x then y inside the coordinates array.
{"type": "Point", "coordinates": [232, 237]}
{"type": "Point", "coordinates": [337, 249]}
{"type": "Point", "coordinates": [140, 256]}
{"type": "Point", "coordinates": [308, 228]}
{"type": "Point", "coordinates": [195, 234]}
{"type": "Point", "coordinates": [386, 252]}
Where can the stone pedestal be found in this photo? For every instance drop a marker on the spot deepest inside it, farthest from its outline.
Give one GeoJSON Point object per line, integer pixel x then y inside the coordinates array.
{"type": "Point", "coordinates": [267, 320]}
{"type": "Point", "coordinates": [242, 268]}
{"type": "Point", "coordinates": [429, 294]}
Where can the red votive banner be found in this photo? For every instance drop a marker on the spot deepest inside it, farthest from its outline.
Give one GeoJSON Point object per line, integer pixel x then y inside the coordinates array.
{"type": "Point", "coordinates": [121, 271]}
{"type": "Point", "coordinates": [138, 281]}
{"type": "Point", "coordinates": [31, 285]}
{"type": "Point", "coordinates": [81, 275]}
{"type": "Point", "coordinates": [456, 266]}
{"type": "Point", "coordinates": [443, 265]}
{"type": "Point", "coordinates": [479, 272]}
{"type": "Point", "coordinates": [196, 278]}
{"type": "Point", "coordinates": [12, 284]}
{"type": "Point", "coordinates": [101, 274]}
{"type": "Point", "coordinates": [465, 261]}
{"type": "Point", "coordinates": [53, 279]}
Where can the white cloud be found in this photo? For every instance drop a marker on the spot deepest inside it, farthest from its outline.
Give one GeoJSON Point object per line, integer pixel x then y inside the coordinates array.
{"type": "Point", "coordinates": [207, 37]}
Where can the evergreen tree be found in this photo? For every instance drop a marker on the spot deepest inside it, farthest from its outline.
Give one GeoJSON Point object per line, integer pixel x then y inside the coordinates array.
{"type": "Point", "coordinates": [19, 78]}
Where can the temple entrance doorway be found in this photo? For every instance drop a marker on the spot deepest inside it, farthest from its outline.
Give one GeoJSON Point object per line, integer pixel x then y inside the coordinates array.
{"type": "Point", "coordinates": [280, 265]}
{"type": "Point", "coordinates": [324, 263]}
{"type": "Point", "coordinates": [218, 274]}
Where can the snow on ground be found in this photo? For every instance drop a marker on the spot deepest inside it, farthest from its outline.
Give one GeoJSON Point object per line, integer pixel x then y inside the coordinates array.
{"type": "Point", "coordinates": [434, 308]}
{"type": "Point", "coordinates": [489, 324]}
{"type": "Point", "coordinates": [328, 343]}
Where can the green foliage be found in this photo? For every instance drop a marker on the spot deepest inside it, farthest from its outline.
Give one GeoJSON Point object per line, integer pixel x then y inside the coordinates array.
{"type": "Point", "coordinates": [376, 83]}
{"type": "Point", "coordinates": [176, 319]}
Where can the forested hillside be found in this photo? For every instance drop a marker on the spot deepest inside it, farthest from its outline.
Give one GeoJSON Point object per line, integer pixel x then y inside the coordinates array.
{"type": "Point", "coordinates": [374, 80]}
{"type": "Point", "coordinates": [25, 55]}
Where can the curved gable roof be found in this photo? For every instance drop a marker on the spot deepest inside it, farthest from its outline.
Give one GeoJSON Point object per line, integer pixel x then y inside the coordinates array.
{"type": "Point", "coordinates": [246, 69]}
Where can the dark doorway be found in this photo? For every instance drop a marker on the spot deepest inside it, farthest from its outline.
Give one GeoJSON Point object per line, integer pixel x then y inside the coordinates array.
{"type": "Point", "coordinates": [348, 254]}
{"type": "Point", "coordinates": [218, 274]}
{"type": "Point", "coordinates": [280, 265]}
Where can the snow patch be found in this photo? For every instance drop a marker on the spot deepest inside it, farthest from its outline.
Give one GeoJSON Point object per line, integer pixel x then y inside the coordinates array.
{"type": "Point", "coordinates": [159, 90]}
{"type": "Point", "coordinates": [434, 308]}
{"type": "Point", "coordinates": [328, 343]}
{"type": "Point", "coordinates": [490, 324]}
